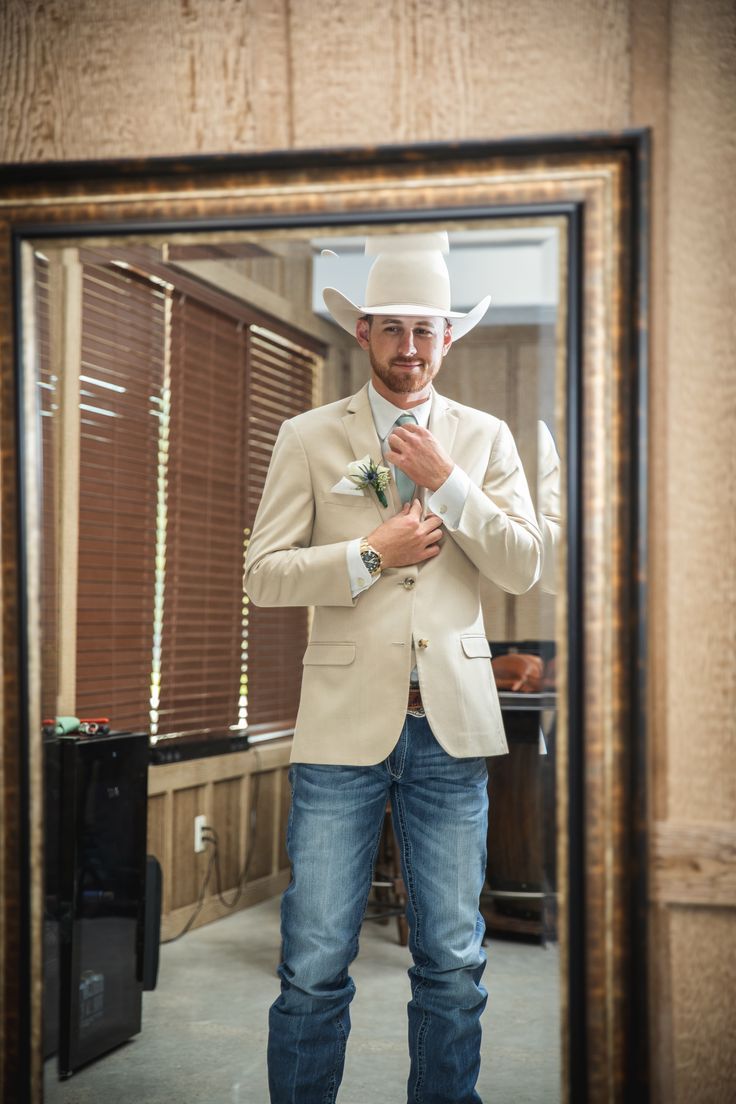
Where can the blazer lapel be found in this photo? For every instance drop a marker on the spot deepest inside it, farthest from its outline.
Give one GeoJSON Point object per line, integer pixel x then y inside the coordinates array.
{"type": "Point", "coordinates": [443, 421]}
{"type": "Point", "coordinates": [361, 433]}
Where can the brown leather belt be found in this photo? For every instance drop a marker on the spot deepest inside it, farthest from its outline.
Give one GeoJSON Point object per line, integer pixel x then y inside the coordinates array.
{"type": "Point", "coordinates": [414, 705]}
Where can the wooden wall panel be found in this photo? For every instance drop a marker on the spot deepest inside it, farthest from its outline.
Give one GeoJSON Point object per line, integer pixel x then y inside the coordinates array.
{"type": "Point", "coordinates": [701, 487]}
{"type": "Point", "coordinates": [693, 863]}
{"type": "Point", "coordinates": [689, 93]}
{"type": "Point", "coordinates": [417, 70]}
{"type": "Point", "coordinates": [135, 79]}
{"type": "Point", "coordinates": [221, 788]}
{"type": "Point", "coordinates": [91, 80]}
{"type": "Point", "coordinates": [188, 868]}
{"type": "Point", "coordinates": [703, 962]}
{"type": "Point", "coordinates": [283, 862]}
{"type": "Point", "coordinates": [226, 817]}
{"type": "Point", "coordinates": [262, 861]}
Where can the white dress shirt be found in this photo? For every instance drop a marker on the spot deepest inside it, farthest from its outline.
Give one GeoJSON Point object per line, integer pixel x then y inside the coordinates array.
{"type": "Point", "coordinates": [446, 502]}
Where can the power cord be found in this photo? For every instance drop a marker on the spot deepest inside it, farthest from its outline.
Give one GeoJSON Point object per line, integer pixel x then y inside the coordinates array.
{"type": "Point", "coordinates": [200, 902]}
{"type": "Point", "coordinates": [209, 835]}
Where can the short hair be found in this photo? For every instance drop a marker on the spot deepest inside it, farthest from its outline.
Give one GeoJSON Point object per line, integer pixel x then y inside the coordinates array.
{"type": "Point", "coordinates": [369, 319]}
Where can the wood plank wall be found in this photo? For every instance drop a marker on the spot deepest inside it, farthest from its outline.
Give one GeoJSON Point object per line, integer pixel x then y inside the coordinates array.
{"type": "Point", "coordinates": [245, 798]}
{"type": "Point", "coordinates": [136, 79]}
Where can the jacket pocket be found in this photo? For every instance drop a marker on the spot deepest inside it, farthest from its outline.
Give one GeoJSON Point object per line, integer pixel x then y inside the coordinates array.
{"type": "Point", "coordinates": [355, 502]}
{"type": "Point", "coordinates": [476, 647]}
{"type": "Point", "coordinates": [332, 655]}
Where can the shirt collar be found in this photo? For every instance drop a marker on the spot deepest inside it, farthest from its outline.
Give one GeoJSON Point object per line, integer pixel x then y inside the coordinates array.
{"type": "Point", "coordinates": [385, 413]}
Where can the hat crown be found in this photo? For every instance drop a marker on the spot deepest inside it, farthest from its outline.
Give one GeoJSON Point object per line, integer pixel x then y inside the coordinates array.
{"type": "Point", "coordinates": [419, 277]}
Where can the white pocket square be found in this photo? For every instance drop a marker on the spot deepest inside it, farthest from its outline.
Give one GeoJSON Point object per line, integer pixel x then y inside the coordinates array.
{"type": "Point", "coordinates": [347, 487]}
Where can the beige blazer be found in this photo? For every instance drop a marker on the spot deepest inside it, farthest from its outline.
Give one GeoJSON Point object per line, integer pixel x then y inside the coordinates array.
{"type": "Point", "coordinates": [359, 656]}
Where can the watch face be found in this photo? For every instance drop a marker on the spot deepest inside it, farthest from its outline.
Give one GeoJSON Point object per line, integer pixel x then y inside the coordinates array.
{"type": "Point", "coordinates": [371, 560]}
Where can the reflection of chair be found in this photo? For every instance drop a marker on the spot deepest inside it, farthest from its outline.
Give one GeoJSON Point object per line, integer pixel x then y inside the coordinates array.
{"type": "Point", "coordinates": [388, 897]}
{"type": "Point", "coordinates": [521, 897]}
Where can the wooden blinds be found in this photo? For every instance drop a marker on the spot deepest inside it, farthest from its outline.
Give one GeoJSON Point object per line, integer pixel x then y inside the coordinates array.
{"type": "Point", "coordinates": [123, 339]}
{"type": "Point", "coordinates": [182, 396]}
{"type": "Point", "coordinates": [279, 386]}
{"type": "Point", "coordinates": [201, 639]}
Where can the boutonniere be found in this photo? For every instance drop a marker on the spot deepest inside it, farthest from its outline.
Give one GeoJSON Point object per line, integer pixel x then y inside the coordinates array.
{"type": "Point", "coordinates": [366, 474]}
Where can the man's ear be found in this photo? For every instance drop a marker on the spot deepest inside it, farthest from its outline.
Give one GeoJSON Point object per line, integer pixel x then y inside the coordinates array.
{"type": "Point", "coordinates": [446, 339]}
{"type": "Point", "coordinates": [362, 330]}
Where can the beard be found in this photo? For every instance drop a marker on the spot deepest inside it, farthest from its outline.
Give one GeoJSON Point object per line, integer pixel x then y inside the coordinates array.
{"type": "Point", "coordinates": [400, 381]}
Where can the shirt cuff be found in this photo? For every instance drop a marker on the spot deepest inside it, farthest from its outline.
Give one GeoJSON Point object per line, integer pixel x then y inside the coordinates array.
{"type": "Point", "coordinates": [448, 501]}
{"type": "Point", "coordinates": [360, 577]}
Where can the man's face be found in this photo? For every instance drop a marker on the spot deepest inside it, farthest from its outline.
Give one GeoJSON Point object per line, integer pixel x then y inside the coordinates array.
{"type": "Point", "coordinates": [405, 353]}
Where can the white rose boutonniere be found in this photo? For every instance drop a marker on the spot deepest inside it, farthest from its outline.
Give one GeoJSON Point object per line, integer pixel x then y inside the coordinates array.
{"type": "Point", "coordinates": [366, 474]}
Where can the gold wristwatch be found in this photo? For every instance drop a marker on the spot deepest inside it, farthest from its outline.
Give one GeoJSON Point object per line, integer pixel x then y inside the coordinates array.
{"type": "Point", "coordinates": [372, 559]}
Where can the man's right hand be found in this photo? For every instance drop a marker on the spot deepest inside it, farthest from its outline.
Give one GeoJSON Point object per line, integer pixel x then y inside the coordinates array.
{"type": "Point", "coordinates": [405, 539]}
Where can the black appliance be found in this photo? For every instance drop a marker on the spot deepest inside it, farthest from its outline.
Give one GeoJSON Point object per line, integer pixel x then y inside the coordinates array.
{"type": "Point", "coordinates": [101, 892]}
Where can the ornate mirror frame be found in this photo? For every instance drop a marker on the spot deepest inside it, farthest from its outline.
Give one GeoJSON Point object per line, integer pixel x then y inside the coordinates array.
{"type": "Point", "coordinates": [599, 184]}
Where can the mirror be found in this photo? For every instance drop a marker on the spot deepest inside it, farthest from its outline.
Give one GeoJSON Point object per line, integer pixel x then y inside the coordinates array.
{"type": "Point", "coordinates": [550, 231]}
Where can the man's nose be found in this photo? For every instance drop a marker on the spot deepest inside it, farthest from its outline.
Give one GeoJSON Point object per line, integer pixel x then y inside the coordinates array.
{"type": "Point", "coordinates": [406, 344]}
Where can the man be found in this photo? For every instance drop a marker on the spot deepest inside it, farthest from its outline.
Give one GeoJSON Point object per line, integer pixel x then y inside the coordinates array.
{"type": "Point", "coordinates": [398, 700]}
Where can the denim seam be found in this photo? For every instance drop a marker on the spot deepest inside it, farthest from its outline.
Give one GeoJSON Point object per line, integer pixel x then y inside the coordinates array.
{"type": "Point", "coordinates": [397, 774]}
{"type": "Point", "coordinates": [331, 1093]}
{"type": "Point", "coordinates": [421, 1062]}
{"type": "Point", "coordinates": [417, 940]}
{"type": "Point", "coordinates": [410, 885]}
{"type": "Point", "coordinates": [374, 853]}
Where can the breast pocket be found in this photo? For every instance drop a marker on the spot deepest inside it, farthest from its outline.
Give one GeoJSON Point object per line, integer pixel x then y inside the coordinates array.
{"type": "Point", "coordinates": [346, 501]}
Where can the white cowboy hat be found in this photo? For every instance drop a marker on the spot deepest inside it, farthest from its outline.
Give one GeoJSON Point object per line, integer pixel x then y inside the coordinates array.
{"type": "Point", "coordinates": [409, 277]}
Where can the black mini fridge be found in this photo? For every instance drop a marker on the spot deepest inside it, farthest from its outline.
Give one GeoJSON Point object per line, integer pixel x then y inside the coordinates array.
{"type": "Point", "coordinates": [101, 893]}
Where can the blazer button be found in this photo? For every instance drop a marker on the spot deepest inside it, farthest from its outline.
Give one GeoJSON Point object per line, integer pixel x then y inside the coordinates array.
{"type": "Point", "coordinates": [423, 643]}
{"type": "Point", "coordinates": [409, 582]}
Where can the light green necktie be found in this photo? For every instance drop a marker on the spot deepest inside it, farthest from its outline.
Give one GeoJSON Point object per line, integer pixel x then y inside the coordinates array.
{"type": "Point", "coordinates": [404, 485]}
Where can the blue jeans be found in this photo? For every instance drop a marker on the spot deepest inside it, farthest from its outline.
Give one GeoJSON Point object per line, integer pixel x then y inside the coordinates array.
{"type": "Point", "coordinates": [439, 807]}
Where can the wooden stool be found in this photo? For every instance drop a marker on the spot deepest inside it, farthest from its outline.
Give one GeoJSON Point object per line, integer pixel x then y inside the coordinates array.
{"type": "Point", "coordinates": [388, 889]}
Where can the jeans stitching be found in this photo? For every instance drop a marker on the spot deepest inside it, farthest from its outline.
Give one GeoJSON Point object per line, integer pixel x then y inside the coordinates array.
{"type": "Point", "coordinates": [421, 1063]}
{"type": "Point", "coordinates": [410, 884]}
{"type": "Point", "coordinates": [331, 1093]}
{"type": "Point", "coordinates": [374, 852]}
{"type": "Point", "coordinates": [417, 939]}
{"type": "Point", "coordinates": [405, 736]}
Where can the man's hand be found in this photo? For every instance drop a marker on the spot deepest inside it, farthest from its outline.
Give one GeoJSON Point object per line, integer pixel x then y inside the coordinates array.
{"type": "Point", "coordinates": [418, 453]}
{"type": "Point", "coordinates": [405, 539]}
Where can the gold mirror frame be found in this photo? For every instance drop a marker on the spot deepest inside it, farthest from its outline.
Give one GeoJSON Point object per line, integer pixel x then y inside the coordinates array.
{"type": "Point", "coordinates": [599, 183]}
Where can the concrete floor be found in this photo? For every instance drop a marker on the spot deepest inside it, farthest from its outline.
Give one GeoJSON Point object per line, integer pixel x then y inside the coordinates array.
{"type": "Point", "coordinates": [204, 1028]}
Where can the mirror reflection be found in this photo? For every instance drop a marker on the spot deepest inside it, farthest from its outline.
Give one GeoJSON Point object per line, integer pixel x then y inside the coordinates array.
{"type": "Point", "coordinates": [174, 640]}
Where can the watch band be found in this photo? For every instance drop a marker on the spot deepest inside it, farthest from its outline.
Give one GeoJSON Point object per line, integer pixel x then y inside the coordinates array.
{"type": "Point", "coordinates": [371, 559]}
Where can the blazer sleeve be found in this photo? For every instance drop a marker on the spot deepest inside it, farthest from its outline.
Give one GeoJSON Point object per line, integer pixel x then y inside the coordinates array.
{"type": "Point", "coordinates": [281, 566]}
{"type": "Point", "coordinates": [498, 528]}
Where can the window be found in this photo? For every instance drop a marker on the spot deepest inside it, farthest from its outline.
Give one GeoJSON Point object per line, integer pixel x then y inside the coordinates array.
{"type": "Point", "coordinates": [182, 391]}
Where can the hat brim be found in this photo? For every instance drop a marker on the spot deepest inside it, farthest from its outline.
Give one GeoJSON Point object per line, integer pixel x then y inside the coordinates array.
{"type": "Point", "coordinates": [346, 313]}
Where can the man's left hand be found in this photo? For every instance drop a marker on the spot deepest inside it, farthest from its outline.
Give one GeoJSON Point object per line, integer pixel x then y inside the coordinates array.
{"type": "Point", "coordinates": [419, 454]}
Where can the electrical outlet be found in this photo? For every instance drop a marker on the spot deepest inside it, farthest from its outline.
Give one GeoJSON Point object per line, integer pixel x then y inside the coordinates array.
{"type": "Point", "coordinates": [199, 826]}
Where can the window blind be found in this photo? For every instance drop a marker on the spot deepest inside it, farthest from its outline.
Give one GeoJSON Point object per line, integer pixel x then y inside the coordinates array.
{"type": "Point", "coordinates": [201, 636]}
{"type": "Point", "coordinates": [280, 381]}
{"type": "Point", "coordinates": [182, 397]}
{"type": "Point", "coordinates": [121, 373]}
